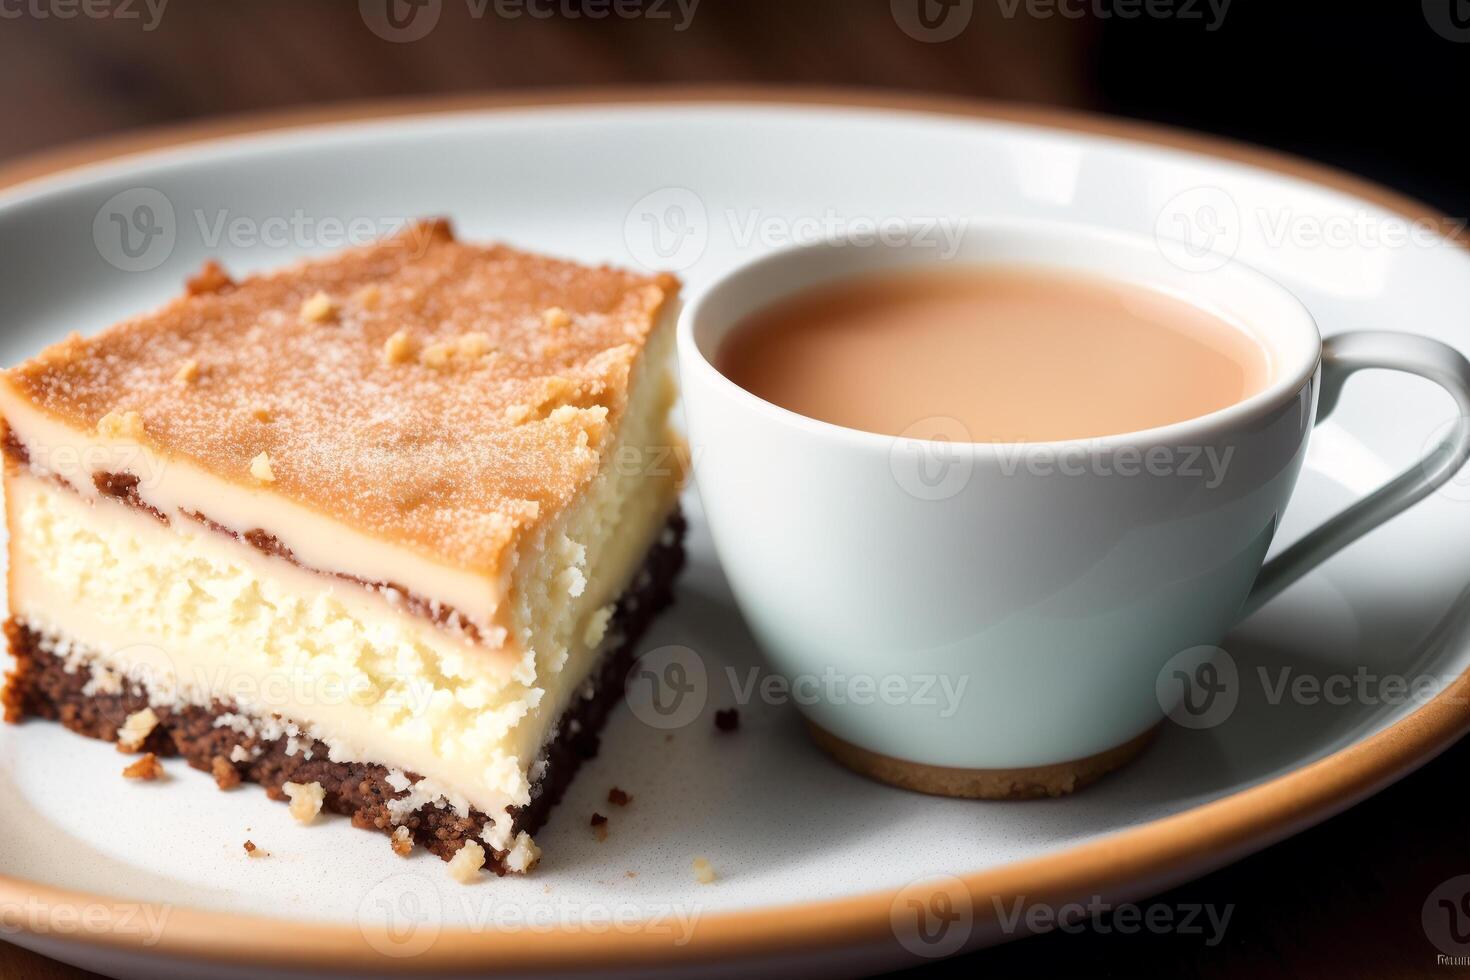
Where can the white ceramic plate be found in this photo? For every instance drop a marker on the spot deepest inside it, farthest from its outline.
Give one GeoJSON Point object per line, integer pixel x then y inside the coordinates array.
{"type": "Point", "coordinates": [816, 865]}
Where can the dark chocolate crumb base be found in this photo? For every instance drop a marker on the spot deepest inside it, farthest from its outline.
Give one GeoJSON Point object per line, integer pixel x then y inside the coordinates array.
{"type": "Point", "coordinates": [40, 687]}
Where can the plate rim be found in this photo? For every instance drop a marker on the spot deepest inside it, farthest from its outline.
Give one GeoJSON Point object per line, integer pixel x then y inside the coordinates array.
{"type": "Point", "coordinates": [1140, 860]}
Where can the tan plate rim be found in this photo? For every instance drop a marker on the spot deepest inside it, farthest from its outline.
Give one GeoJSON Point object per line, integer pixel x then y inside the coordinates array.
{"type": "Point", "coordinates": [1133, 862]}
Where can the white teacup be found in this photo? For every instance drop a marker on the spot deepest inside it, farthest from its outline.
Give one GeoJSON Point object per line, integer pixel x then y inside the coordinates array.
{"type": "Point", "coordinates": [995, 620]}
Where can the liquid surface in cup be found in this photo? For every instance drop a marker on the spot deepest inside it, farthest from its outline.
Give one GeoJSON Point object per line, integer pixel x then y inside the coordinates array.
{"type": "Point", "coordinates": [1013, 353]}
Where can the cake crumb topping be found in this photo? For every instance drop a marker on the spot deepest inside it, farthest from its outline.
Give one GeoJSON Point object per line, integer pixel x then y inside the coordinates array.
{"type": "Point", "coordinates": [398, 348]}
{"type": "Point", "coordinates": [187, 372]}
{"type": "Point", "coordinates": [306, 800]}
{"type": "Point", "coordinates": [260, 468]}
{"type": "Point", "coordinates": [147, 768]}
{"type": "Point", "coordinates": [704, 872]}
{"type": "Point", "coordinates": [120, 425]}
{"type": "Point", "coordinates": [135, 730]}
{"type": "Point", "coordinates": [472, 345]}
{"type": "Point", "coordinates": [319, 308]}
{"type": "Point", "coordinates": [556, 318]}
{"type": "Point", "coordinates": [460, 351]}
{"type": "Point", "coordinates": [211, 278]}
{"type": "Point", "coordinates": [465, 866]}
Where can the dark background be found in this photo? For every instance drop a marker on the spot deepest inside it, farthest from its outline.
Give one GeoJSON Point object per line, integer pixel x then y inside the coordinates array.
{"type": "Point", "coordinates": [1379, 88]}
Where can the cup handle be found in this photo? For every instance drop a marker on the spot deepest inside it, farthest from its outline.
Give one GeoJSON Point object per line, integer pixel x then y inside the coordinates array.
{"type": "Point", "coordinates": [1342, 355]}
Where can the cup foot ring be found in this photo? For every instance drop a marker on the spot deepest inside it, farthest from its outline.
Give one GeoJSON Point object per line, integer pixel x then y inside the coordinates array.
{"type": "Point", "coordinates": [1027, 783]}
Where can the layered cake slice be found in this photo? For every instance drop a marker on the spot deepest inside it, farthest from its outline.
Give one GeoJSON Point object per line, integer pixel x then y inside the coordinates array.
{"type": "Point", "coordinates": [377, 532]}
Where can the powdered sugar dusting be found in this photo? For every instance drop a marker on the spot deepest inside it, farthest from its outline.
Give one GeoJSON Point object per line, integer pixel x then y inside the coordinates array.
{"type": "Point", "coordinates": [457, 459]}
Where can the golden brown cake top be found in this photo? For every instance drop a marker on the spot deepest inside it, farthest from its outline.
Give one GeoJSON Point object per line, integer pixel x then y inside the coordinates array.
{"type": "Point", "coordinates": [440, 395]}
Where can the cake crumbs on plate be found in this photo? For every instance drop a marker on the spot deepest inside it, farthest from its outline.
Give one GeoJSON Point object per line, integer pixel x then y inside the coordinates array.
{"type": "Point", "coordinates": [147, 768]}
{"type": "Point", "coordinates": [727, 719]}
{"type": "Point", "coordinates": [599, 826]}
{"type": "Point", "coordinates": [402, 841]}
{"type": "Point", "coordinates": [704, 872]}
{"type": "Point", "coordinates": [618, 797]}
{"type": "Point", "coordinates": [256, 852]}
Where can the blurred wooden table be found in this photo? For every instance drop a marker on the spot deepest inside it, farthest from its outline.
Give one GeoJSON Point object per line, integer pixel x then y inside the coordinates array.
{"type": "Point", "coordinates": [22, 964]}
{"type": "Point", "coordinates": [1341, 900]}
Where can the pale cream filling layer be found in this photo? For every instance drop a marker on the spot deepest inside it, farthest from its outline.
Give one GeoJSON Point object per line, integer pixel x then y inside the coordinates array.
{"type": "Point", "coordinates": [194, 615]}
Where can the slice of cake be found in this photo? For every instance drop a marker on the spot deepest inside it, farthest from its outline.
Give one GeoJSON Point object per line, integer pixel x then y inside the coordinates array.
{"type": "Point", "coordinates": [377, 532]}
